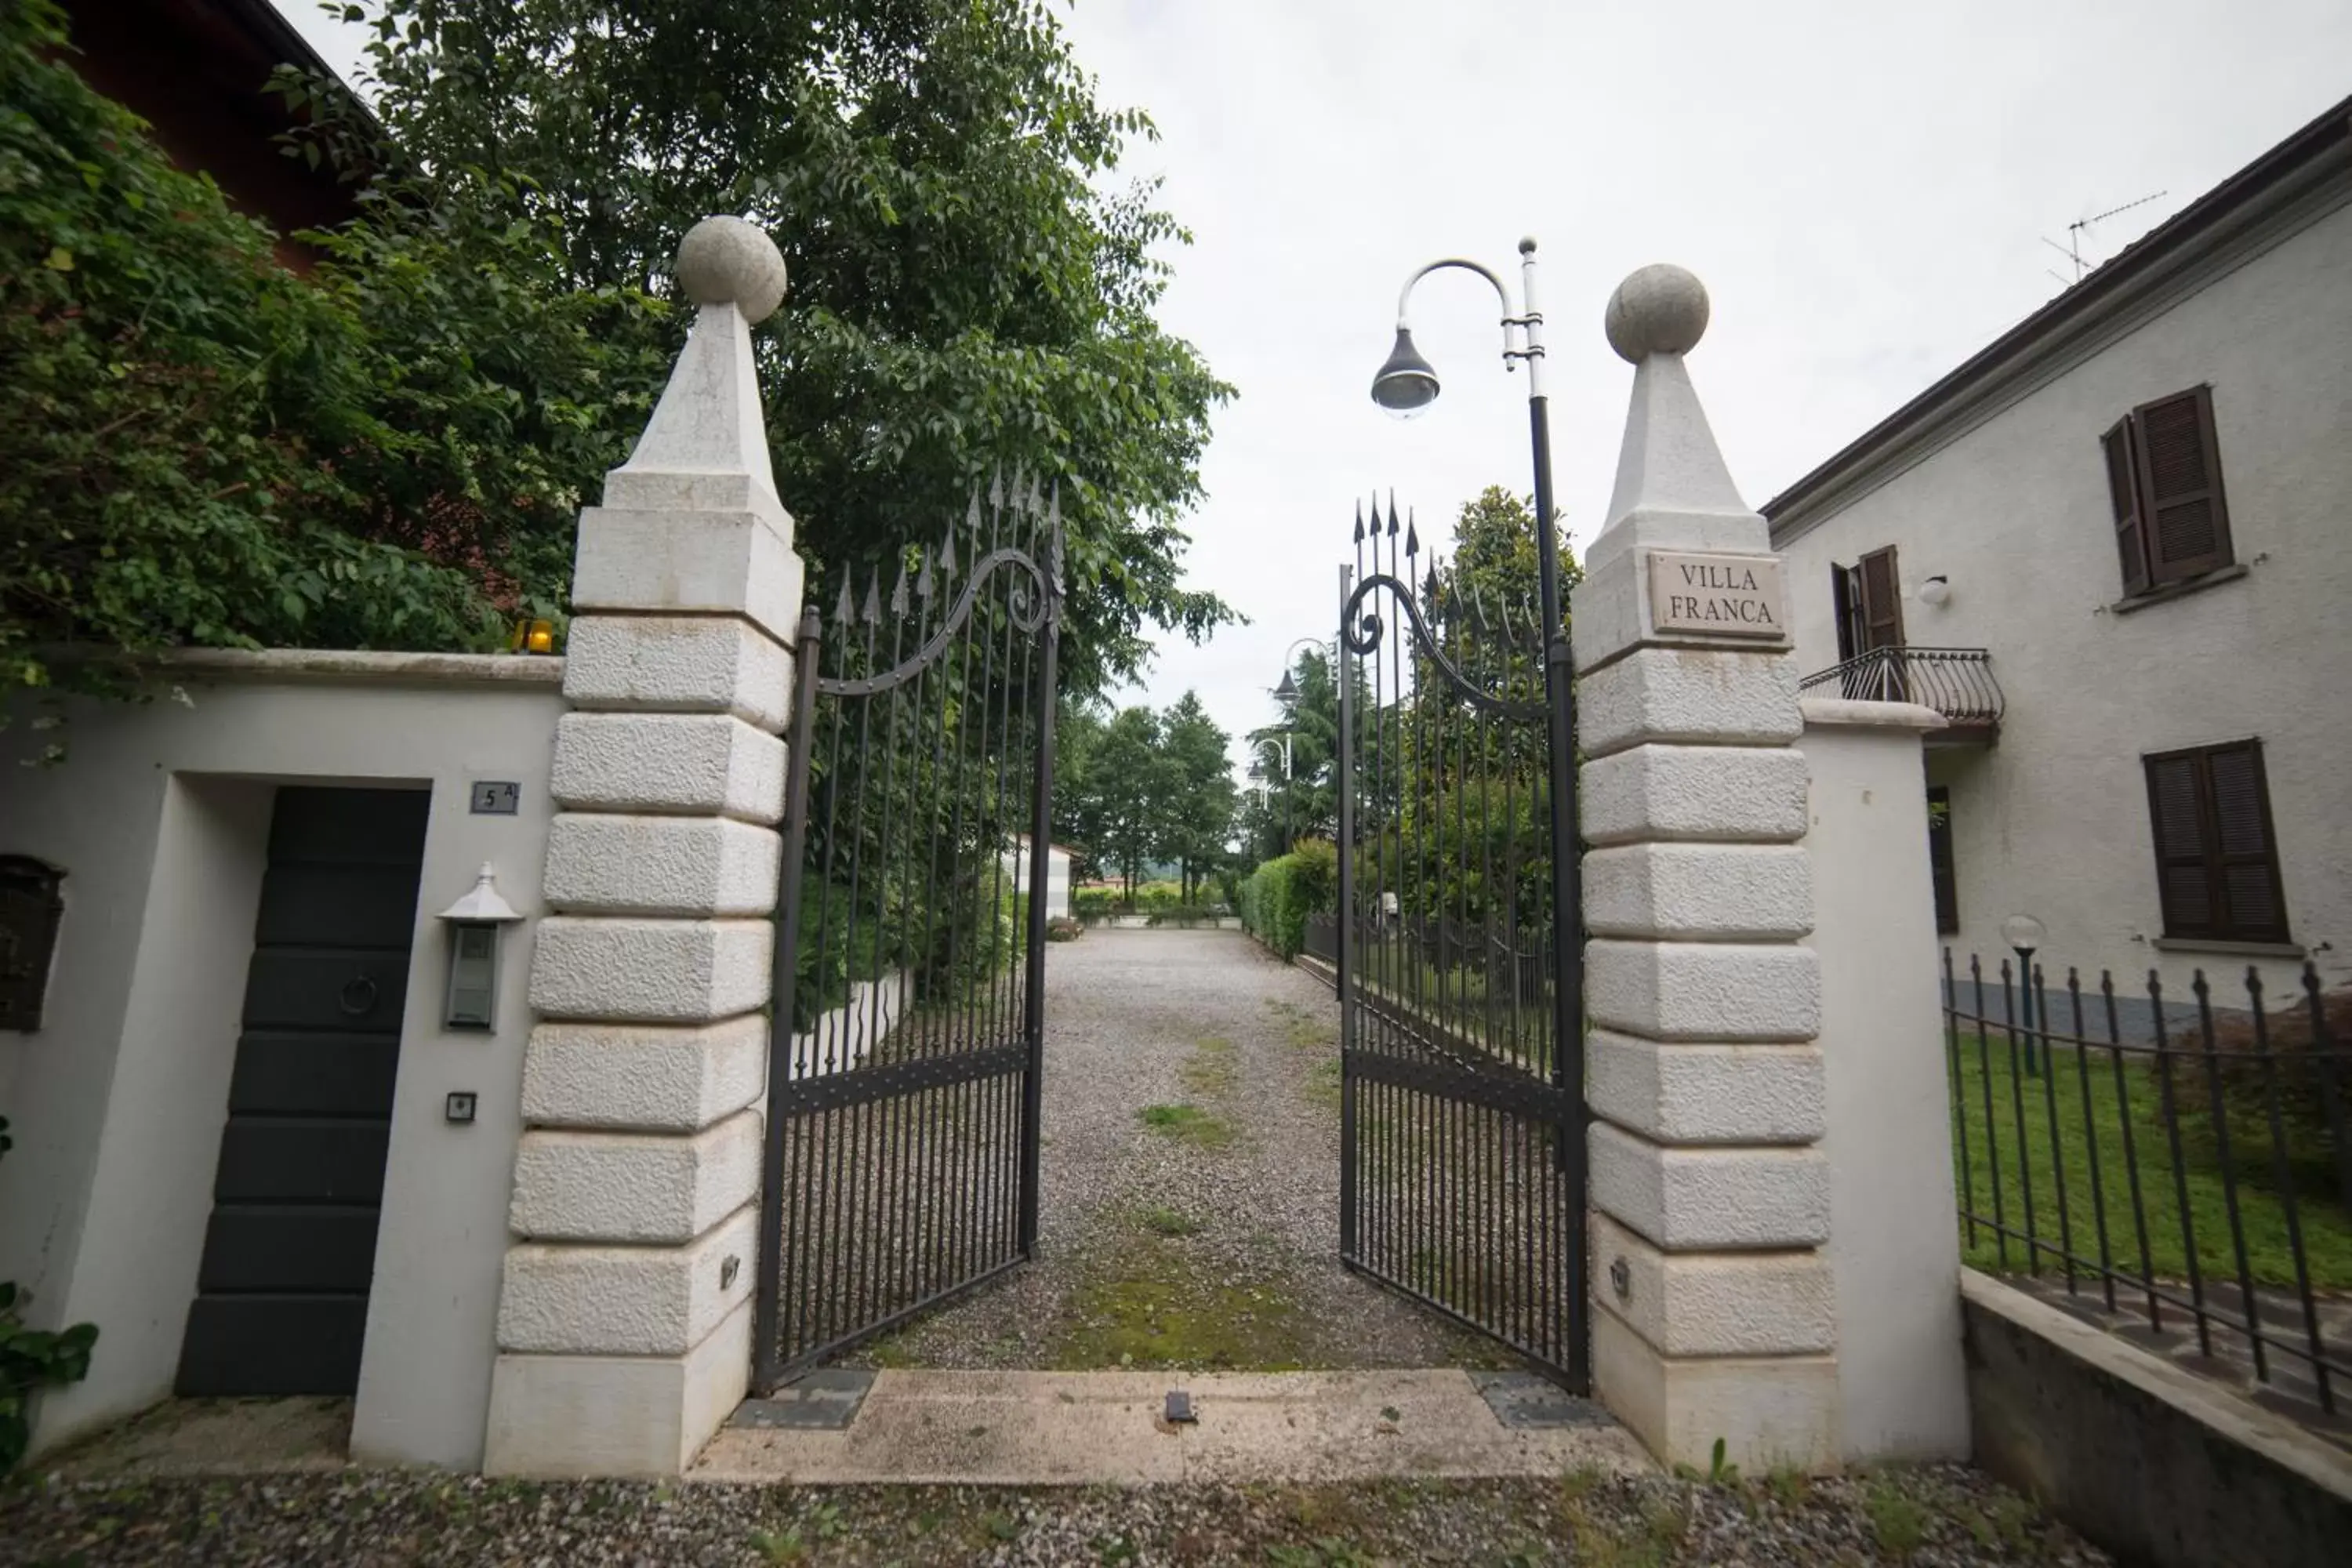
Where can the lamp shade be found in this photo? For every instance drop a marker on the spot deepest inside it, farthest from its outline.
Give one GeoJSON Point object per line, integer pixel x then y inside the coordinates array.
{"type": "Point", "coordinates": [1288, 692]}
{"type": "Point", "coordinates": [1406, 384]}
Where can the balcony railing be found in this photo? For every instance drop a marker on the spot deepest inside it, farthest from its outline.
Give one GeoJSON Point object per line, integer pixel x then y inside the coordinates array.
{"type": "Point", "coordinates": [1957, 682]}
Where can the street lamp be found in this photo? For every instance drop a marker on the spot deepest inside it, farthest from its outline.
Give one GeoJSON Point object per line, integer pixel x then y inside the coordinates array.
{"type": "Point", "coordinates": [1265, 738]}
{"type": "Point", "coordinates": [2024, 933]}
{"type": "Point", "coordinates": [1405, 385]}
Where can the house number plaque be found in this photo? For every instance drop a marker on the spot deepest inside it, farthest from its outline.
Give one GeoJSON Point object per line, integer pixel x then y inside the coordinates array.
{"type": "Point", "coordinates": [30, 904]}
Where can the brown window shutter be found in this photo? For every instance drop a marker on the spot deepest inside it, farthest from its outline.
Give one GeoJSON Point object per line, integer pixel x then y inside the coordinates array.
{"type": "Point", "coordinates": [2123, 492]}
{"type": "Point", "coordinates": [2216, 860]}
{"type": "Point", "coordinates": [1882, 600]}
{"type": "Point", "coordinates": [2250, 902]}
{"type": "Point", "coordinates": [2186, 523]}
{"type": "Point", "coordinates": [2177, 812]}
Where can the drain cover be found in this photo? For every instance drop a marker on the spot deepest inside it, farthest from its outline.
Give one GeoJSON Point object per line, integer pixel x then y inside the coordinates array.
{"type": "Point", "coordinates": [1521, 1399]}
{"type": "Point", "coordinates": [826, 1400]}
{"type": "Point", "coordinates": [1179, 1408]}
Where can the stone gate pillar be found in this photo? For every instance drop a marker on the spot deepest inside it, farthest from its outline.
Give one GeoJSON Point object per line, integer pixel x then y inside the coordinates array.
{"type": "Point", "coordinates": [1713, 1305]}
{"type": "Point", "coordinates": [624, 1322]}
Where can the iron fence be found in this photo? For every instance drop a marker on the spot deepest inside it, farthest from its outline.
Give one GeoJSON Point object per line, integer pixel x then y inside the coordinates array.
{"type": "Point", "coordinates": [2183, 1167]}
{"type": "Point", "coordinates": [1957, 682]}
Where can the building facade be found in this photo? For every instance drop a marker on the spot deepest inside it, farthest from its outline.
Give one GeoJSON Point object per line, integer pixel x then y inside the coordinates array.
{"type": "Point", "coordinates": [2111, 550]}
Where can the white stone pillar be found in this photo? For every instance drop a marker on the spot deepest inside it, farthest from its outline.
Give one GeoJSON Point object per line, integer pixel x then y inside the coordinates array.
{"type": "Point", "coordinates": [1894, 1249]}
{"type": "Point", "coordinates": [625, 1321]}
{"type": "Point", "coordinates": [1715, 1313]}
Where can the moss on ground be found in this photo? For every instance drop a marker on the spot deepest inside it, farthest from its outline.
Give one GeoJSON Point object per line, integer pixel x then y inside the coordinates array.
{"type": "Point", "coordinates": [1154, 1311]}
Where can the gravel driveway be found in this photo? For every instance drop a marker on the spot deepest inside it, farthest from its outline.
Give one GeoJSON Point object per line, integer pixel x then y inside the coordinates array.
{"type": "Point", "coordinates": [1191, 1185]}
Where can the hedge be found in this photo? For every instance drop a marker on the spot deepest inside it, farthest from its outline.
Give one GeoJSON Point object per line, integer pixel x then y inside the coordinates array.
{"type": "Point", "coordinates": [1277, 898]}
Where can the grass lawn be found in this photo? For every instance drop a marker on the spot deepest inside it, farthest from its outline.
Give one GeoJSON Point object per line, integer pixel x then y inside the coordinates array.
{"type": "Point", "coordinates": [2130, 1113]}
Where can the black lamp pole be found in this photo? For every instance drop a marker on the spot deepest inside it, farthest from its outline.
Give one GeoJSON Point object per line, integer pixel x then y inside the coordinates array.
{"type": "Point", "coordinates": [1405, 385]}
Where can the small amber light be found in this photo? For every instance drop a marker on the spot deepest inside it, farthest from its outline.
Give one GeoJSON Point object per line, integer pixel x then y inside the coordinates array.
{"type": "Point", "coordinates": [540, 637]}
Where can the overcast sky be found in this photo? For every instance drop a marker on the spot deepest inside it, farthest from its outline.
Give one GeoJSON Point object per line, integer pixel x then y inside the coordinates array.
{"type": "Point", "coordinates": [1865, 188]}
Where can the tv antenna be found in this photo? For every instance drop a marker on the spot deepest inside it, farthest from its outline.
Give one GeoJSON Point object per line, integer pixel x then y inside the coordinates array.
{"type": "Point", "coordinates": [2073, 250]}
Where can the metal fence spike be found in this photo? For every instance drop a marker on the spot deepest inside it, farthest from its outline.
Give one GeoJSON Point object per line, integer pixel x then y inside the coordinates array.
{"type": "Point", "coordinates": [1412, 542]}
{"type": "Point", "coordinates": [971, 512]}
{"type": "Point", "coordinates": [873, 598]}
{"type": "Point", "coordinates": [996, 488]}
{"type": "Point", "coordinates": [845, 608]}
{"type": "Point", "coordinates": [898, 593]}
{"type": "Point", "coordinates": [947, 546]}
{"type": "Point", "coordinates": [1359, 522]}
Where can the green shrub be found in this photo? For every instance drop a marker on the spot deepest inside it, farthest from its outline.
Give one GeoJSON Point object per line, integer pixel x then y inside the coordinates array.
{"type": "Point", "coordinates": [1277, 898]}
{"type": "Point", "coordinates": [1063, 929]}
{"type": "Point", "coordinates": [31, 1360]}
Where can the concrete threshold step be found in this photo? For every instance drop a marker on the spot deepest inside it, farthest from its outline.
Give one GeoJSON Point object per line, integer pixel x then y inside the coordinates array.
{"type": "Point", "coordinates": [1030, 1428]}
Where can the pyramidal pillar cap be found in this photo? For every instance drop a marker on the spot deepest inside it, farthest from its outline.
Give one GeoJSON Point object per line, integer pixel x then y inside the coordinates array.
{"type": "Point", "coordinates": [706, 448]}
{"type": "Point", "coordinates": [1673, 489]}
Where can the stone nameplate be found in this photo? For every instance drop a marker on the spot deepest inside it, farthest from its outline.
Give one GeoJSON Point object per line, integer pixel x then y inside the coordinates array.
{"type": "Point", "coordinates": [1719, 596]}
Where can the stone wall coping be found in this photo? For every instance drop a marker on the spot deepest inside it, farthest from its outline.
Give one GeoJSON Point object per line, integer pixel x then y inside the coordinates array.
{"type": "Point", "coordinates": [2231, 1414]}
{"type": "Point", "coordinates": [311, 664]}
{"type": "Point", "coordinates": [1852, 713]}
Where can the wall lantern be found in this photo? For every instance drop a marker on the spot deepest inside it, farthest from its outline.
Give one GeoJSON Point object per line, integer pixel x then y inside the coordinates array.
{"type": "Point", "coordinates": [474, 924]}
{"type": "Point", "coordinates": [1935, 591]}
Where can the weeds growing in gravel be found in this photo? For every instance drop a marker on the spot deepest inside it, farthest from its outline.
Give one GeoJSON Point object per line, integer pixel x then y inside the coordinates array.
{"type": "Point", "coordinates": [1188, 1123]}
{"type": "Point", "coordinates": [1172, 1223]}
{"type": "Point", "coordinates": [1897, 1522]}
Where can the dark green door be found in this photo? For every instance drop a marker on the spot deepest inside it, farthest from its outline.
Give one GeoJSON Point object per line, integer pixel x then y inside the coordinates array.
{"type": "Point", "coordinates": [281, 1302]}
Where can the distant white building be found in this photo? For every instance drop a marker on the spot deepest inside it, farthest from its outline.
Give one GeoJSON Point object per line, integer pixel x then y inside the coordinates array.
{"type": "Point", "coordinates": [2116, 549]}
{"type": "Point", "coordinates": [1057, 874]}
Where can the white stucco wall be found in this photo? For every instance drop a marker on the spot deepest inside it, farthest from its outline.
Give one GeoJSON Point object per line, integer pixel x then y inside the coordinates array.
{"type": "Point", "coordinates": [2054, 820]}
{"type": "Point", "coordinates": [160, 816]}
{"type": "Point", "coordinates": [1894, 1247]}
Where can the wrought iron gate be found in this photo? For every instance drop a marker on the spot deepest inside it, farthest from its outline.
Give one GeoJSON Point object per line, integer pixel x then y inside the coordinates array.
{"type": "Point", "coordinates": [909, 1013]}
{"type": "Point", "coordinates": [1462, 1131]}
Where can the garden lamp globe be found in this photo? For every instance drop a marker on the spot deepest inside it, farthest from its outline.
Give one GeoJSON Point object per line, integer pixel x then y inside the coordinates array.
{"type": "Point", "coordinates": [2023, 934]}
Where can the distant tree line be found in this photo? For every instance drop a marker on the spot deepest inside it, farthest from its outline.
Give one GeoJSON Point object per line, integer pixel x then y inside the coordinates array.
{"type": "Point", "coordinates": [1139, 786]}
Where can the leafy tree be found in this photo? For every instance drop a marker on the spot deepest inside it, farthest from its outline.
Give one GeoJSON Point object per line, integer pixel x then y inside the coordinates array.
{"type": "Point", "coordinates": [1199, 814]}
{"type": "Point", "coordinates": [970, 289]}
{"type": "Point", "coordinates": [1471, 838]}
{"type": "Point", "coordinates": [1133, 779]}
{"type": "Point", "coordinates": [204, 448]}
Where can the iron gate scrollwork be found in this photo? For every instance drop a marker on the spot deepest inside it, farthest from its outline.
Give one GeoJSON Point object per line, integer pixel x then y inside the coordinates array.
{"type": "Point", "coordinates": [1462, 1131]}
{"type": "Point", "coordinates": [902, 1141]}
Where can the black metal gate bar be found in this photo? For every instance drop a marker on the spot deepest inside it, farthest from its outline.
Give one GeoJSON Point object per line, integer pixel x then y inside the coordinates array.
{"type": "Point", "coordinates": [908, 1025]}
{"type": "Point", "coordinates": [1461, 1138]}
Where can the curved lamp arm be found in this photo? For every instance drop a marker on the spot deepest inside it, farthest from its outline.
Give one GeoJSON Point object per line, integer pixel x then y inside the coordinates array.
{"type": "Point", "coordinates": [1522, 329]}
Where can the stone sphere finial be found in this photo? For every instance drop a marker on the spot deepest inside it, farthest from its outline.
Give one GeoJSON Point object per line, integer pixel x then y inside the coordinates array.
{"type": "Point", "coordinates": [727, 260]}
{"type": "Point", "coordinates": [1660, 309]}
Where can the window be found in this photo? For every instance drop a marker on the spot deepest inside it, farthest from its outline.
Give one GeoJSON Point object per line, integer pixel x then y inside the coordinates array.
{"type": "Point", "coordinates": [2215, 864]}
{"type": "Point", "coordinates": [2164, 479]}
{"type": "Point", "coordinates": [1939, 860]}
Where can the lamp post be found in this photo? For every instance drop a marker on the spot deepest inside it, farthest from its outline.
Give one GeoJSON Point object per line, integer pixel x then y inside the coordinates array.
{"type": "Point", "coordinates": [1283, 750]}
{"type": "Point", "coordinates": [1405, 385]}
{"type": "Point", "coordinates": [2024, 933]}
